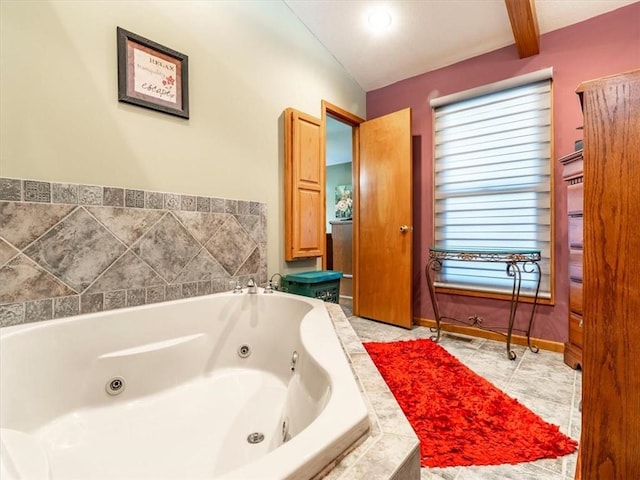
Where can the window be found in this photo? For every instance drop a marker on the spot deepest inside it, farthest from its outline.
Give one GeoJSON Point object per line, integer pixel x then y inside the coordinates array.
{"type": "Point", "coordinates": [493, 181]}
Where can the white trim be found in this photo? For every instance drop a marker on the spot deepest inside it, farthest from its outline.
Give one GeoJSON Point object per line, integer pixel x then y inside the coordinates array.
{"type": "Point", "coordinates": [532, 77]}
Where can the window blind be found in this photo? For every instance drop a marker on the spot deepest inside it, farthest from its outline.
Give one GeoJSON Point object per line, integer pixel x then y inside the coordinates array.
{"type": "Point", "coordinates": [493, 183]}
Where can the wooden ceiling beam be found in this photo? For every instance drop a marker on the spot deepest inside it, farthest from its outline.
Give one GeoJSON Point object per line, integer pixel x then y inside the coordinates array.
{"type": "Point", "coordinates": [524, 23]}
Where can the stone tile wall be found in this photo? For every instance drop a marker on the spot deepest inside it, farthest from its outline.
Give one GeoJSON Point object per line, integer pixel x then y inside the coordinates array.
{"type": "Point", "coordinates": [67, 249]}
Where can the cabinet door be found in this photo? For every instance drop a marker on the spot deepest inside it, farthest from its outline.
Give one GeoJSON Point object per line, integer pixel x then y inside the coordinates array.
{"type": "Point", "coordinates": [304, 214]}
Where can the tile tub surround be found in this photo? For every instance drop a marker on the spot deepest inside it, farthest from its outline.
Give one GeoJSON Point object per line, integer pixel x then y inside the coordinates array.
{"type": "Point", "coordinates": [391, 449]}
{"type": "Point", "coordinates": [67, 249]}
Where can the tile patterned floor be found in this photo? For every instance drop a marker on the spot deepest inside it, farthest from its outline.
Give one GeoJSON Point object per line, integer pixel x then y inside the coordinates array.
{"type": "Point", "coordinates": [541, 382]}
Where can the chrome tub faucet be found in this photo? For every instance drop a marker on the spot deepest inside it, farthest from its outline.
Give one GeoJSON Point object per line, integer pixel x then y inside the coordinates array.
{"type": "Point", "coordinates": [252, 286]}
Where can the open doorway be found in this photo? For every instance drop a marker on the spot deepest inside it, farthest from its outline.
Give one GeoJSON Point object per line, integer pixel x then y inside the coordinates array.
{"type": "Point", "coordinates": [382, 238]}
{"type": "Point", "coordinates": [340, 203]}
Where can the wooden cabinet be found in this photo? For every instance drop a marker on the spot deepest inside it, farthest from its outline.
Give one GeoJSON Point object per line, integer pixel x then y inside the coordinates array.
{"type": "Point", "coordinates": [304, 209]}
{"type": "Point", "coordinates": [573, 176]}
{"type": "Point", "coordinates": [342, 237]}
{"type": "Point", "coordinates": [611, 301]}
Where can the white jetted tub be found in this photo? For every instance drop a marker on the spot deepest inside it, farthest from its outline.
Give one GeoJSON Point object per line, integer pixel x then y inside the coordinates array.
{"type": "Point", "coordinates": [225, 386]}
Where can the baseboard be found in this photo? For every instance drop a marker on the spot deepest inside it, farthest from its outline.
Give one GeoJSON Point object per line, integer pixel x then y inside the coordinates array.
{"type": "Point", "coordinates": [541, 343]}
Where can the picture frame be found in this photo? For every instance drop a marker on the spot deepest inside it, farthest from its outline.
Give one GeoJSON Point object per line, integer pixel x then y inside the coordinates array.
{"type": "Point", "coordinates": [343, 204]}
{"type": "Point", "coordinates": [151, 75]}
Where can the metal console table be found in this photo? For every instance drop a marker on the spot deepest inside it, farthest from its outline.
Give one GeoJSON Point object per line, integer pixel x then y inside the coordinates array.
{"type": "Point", "coordinates": [516, 260]}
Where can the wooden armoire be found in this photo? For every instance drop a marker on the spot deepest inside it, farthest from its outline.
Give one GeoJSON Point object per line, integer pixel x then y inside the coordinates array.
{"type": "Point", "coordinates": [610, 443]}
{"type": "Point", "coordinates": [573, 176]}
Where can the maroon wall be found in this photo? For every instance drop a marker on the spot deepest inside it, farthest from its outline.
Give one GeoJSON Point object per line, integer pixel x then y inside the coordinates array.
{"type": "Point", "coordinates": [603, 45]}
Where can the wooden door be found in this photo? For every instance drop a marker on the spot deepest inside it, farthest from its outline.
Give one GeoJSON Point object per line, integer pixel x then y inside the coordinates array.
{"type": "Point", "coordinates": [304, 211]}
{"type": "Point", "coordinates": [383, 220]}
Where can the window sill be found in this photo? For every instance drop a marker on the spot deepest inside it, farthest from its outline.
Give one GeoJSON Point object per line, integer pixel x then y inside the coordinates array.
{"type": "Point", "coordinates": [524, 298]}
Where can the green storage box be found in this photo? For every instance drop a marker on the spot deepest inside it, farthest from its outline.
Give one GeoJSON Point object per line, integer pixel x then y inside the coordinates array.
{"type": "Point", "coordinates": [322, 284]}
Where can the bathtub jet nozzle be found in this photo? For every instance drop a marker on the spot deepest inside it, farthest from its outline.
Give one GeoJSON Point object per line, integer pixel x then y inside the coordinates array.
{"type": "Point", "coordinates": [115, 386]}
{"type": "Point", "coordinates": [244, 350]}
{"type": "Point", "coordinates": [255, 437]}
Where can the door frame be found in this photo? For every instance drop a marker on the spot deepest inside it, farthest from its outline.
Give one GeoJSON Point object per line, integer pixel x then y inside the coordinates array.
{"type": "Point", "coordinates": [329, 109]}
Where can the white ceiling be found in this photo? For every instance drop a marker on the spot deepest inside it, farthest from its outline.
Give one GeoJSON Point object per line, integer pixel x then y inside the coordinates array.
{"type": "Point", "coordinates": [426, 34]}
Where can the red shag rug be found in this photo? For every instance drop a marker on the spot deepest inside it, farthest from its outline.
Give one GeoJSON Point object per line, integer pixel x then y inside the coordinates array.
{"type": "Point", "coordinates": [459, 417]}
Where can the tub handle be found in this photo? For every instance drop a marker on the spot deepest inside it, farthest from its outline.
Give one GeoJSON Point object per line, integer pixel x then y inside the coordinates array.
{"type": "Point", "coordinates": [294, 360]}
{"type": "Point", "coordinates": [237, 288]}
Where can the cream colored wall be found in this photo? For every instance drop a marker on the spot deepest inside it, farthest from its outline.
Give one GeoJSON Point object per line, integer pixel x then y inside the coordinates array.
{"type": "Point", "coordinates": [248, 60]}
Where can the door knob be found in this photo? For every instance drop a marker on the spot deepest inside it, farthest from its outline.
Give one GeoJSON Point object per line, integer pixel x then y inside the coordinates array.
{"type": "Point", "coordinates": [404, 228]}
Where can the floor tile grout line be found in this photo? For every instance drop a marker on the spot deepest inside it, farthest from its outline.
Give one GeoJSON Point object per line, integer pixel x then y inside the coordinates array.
{"type": "Point", "coordinates": [574, 397]}
{"type": "Point", "coordinates": [515, 370]}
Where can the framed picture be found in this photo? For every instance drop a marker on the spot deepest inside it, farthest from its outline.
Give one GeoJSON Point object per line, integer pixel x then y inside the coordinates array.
{"type": "Point", "coordinates": [151, 75]}
{"type": "Point", "coordinates": [343, 202]}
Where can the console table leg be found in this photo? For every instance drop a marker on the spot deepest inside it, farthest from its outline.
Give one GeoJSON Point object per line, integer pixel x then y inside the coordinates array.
{"type": "Point", "coordinates": [513, 270]}
{"type": "Point", "coordinates": [533, 348]}
{"type": "Point", "coordinates": [435, 265]}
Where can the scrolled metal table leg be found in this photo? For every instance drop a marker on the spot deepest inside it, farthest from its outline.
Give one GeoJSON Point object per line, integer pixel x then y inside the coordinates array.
{"type": "Point", "coordinates": [513, 270]}
{"type": "Point", "coordinates": [534, 266]}
{"type": "Point", "coordinates": [435, 265]}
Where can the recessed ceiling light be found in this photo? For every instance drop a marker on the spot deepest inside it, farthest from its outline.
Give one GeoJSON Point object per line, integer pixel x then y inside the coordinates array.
{"type": "Point", "coordinates": [379, 19]}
